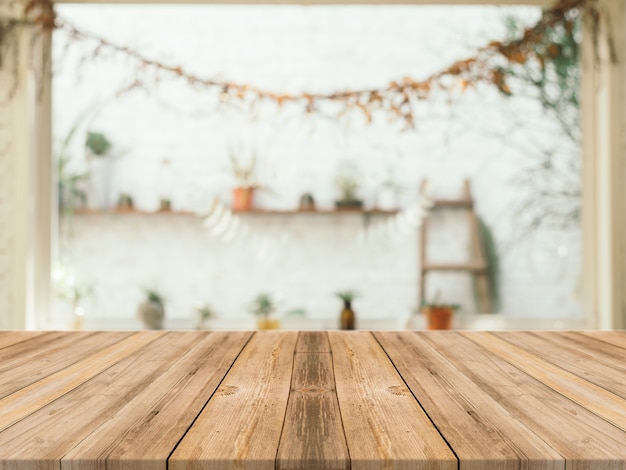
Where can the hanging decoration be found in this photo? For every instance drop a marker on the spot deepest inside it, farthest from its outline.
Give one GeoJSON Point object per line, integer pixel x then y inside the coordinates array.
{"type": "Point", "coordinates": [398, 99]}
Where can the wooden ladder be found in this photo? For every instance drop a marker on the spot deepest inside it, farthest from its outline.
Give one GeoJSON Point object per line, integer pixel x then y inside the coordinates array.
{"type": "Point", "coordinates": [477, 266]}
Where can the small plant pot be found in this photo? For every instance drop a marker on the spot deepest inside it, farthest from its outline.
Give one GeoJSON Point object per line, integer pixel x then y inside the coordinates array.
{"type": "Point", "coordinates": [151, 315]}
{"type": "Point", "coordinates": [438, 318]}
{"type": "Point", "coordinates": [348, 204]}
{"type": "Point", "coordinates": [243, 199]}
{"type": "Point", "coordinates": [267, 324]}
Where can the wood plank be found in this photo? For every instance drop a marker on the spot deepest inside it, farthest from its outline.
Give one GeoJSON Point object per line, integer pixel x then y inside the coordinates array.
{"type": "Point", "coordinates": [8, 338]}
{"type": "Point", "coordinates": [595, 361]}
{"type": "Point", "coordinates": [384, 425]}
{"type": "Point", "coordinates": [590, 396]}
{"type": "Point", "coordinates": [585, 440]}
{"type": "Point", "coordinates": [36, 359]}
{"type": "Point", "coordinates": [313, 341]}
{"type": "Point", "coordinates": [38, 394]}
{"type": "Point", "coordinates": [312, 436]}
{"type": "Point", "coordinates": [471, 266]}
{"type": "Point", "coordinates": [616, 338]}
{"type": "Point", "coordinates": [143, 433]}
{"type": "Point", "coordinates": [483, 434]}
{"type": "Point", "coordinates": [45, 436]}
{"type": "Point", "coordinates": [241, 425]}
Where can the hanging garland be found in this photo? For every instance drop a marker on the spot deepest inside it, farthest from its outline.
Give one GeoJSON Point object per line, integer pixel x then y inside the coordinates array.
{"type": "Point", "coordinates": [397, 99]}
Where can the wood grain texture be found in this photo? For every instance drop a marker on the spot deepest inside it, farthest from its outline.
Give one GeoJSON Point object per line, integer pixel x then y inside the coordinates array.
{"type": "Point", "coordinates": [313, 341]}
{"type": "Point", "coordinates": [587, 394]}
{"type": "Point", "coordinates": [585, 440]}
{"type": "Point", "coordinates": [313, 400]}
{"type": "Point", "coordinates": [594, 361]}
{"type": "Point", "coordinates": [56, 428]}
{"type": "Point", "coordinates": [483, 434]}
{"type": "Point", "coordinates": [145, 430]}
{"type": "Point", "coordinates": [616, 338]}
{"type": "Point", "coordinates": [384, 425]}
{"type": "Point", "coordinates": [31, 398]}
{"type": "Point", "coordinates": [30, 361]}
{"type": "Point", "coordinates": [312, 436]}
{"type": "Point", "coordinates": [240, 427]}
{"type": "Point", "coordinates": [8, 338]}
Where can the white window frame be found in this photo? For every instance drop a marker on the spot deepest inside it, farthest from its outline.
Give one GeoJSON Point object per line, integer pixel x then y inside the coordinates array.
{"type": "Point", "coordinates": [604, 171]}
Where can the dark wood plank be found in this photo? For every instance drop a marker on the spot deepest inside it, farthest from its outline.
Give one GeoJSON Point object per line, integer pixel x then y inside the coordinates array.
{"type": "Point", "coordinates": [482, 433]}
{"type": "Point", "coordinates": [143, 433]}
{"type": "Point", "coordinates": [312, 436]}
{"type": "Point", "coordinates": [241, 425]}
{"type": "Point", "coordinates": [584, 439]}
{"type": "Point", "coordinates": [385, 426]}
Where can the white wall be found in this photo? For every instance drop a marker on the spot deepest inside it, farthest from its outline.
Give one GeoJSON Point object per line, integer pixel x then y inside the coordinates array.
{"type": "Point", "coordinates": [293, 49]}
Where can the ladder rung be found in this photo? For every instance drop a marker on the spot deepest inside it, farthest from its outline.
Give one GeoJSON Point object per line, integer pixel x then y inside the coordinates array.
{"type": "Point", "coordinates": [452, 203]}
{"type": "Point", "coordinates": [476, 267]}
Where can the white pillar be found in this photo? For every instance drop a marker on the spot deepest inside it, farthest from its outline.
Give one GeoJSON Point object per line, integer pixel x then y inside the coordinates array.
{"type": "Point", "coordinates": [25, 169]}
{"type": "Point", "coordinates": [604, 168]}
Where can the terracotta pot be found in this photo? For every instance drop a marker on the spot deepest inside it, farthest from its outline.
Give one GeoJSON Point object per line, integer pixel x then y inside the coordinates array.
{"type": "Point", "coordinates": [243, 199]}
{"type": "Point", "coordinates": [439, 318]}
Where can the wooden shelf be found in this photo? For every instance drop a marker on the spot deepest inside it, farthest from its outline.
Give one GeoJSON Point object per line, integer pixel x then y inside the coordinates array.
{"type": "Point", "coordinates": [316, 212]}
{"type": "Point", "coordinates": [365, 212]}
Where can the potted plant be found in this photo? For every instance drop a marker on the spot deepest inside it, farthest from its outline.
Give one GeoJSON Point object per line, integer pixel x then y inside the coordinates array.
{"type": "Point", "coordinates": [262, 307]}
{"type": "Point", "coordinates": [347, 317]}
{"type": "Point", "coordinates": [151, 312]}
{"type": "Point", "coordinates": [245, 173]}
{"type": "Point", "coordinates": [307, 202]}
{"type": "Point", "coordinates": [347, 182]}
{"type": "Point", "coordinates": [438, 314]}
{"type": "Point", "coordinates": [205, 313]}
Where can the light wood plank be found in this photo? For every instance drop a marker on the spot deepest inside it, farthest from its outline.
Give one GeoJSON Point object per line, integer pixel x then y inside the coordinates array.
{"type": "Point", "coordinates": [38, 394]}
{"type": "Point", "coordinates": [616, 338]}
{"type": "Point", "coordinates": [585, 440]}
{"type": "Point", "coordinates": [594, 361]}
{"type": "Point", "coordinates": [143, 433]}
{"type": "Point", "coordinates": [589, 395]}
{"type": "Point", "coordinates": [8, 338]}
{"type": "Point", "coordinates": [483, 434]}
{"type": "Point", "coordinates": [384, 425]}
{"type": "Point", "coordinates": [54, 430]}
{"type": "Point", "coordinates": [312, 436]}
{"type": "Point", "coordinates": [35, 359]}
{"type": "Point", "coordinates": [241, 425]}
{"type": "Point", "coordinates": [313, 341]}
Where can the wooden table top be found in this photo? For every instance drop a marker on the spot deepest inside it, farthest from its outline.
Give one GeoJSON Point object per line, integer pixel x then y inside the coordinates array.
{"type": "Point", "coordinates": [313, 400]}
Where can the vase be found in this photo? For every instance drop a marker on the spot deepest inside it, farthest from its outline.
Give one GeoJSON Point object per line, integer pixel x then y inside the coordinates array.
{"type": "Point", "coordinates": [347, 319]}
{"type": "Point", "coordinates": [243, 199]}
{"type": "Point", "coordinates": [151, 315]}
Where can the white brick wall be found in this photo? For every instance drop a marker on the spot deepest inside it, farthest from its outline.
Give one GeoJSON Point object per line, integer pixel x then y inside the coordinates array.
{"type": "Point", "coordinates": [301, 48]}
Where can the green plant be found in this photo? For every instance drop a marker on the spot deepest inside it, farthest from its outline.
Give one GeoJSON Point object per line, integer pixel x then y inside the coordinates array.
{"type": "Point", "coordinates": [347, 181]}
{"type": "Point", "coordinates": [98, 144]}
{"type": "Point", "coordinates": [152, 295]}
{"type": "Point", "coordinates": [244, 170]}
{"type": "Point", "coordinates": [206, 312]}
{"type": "Point", "coordinates": [437, 304]}
{"type": "Point", "coordinates": [347, 295]}
{"type": "Point", "coordinates": [263, 305]}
